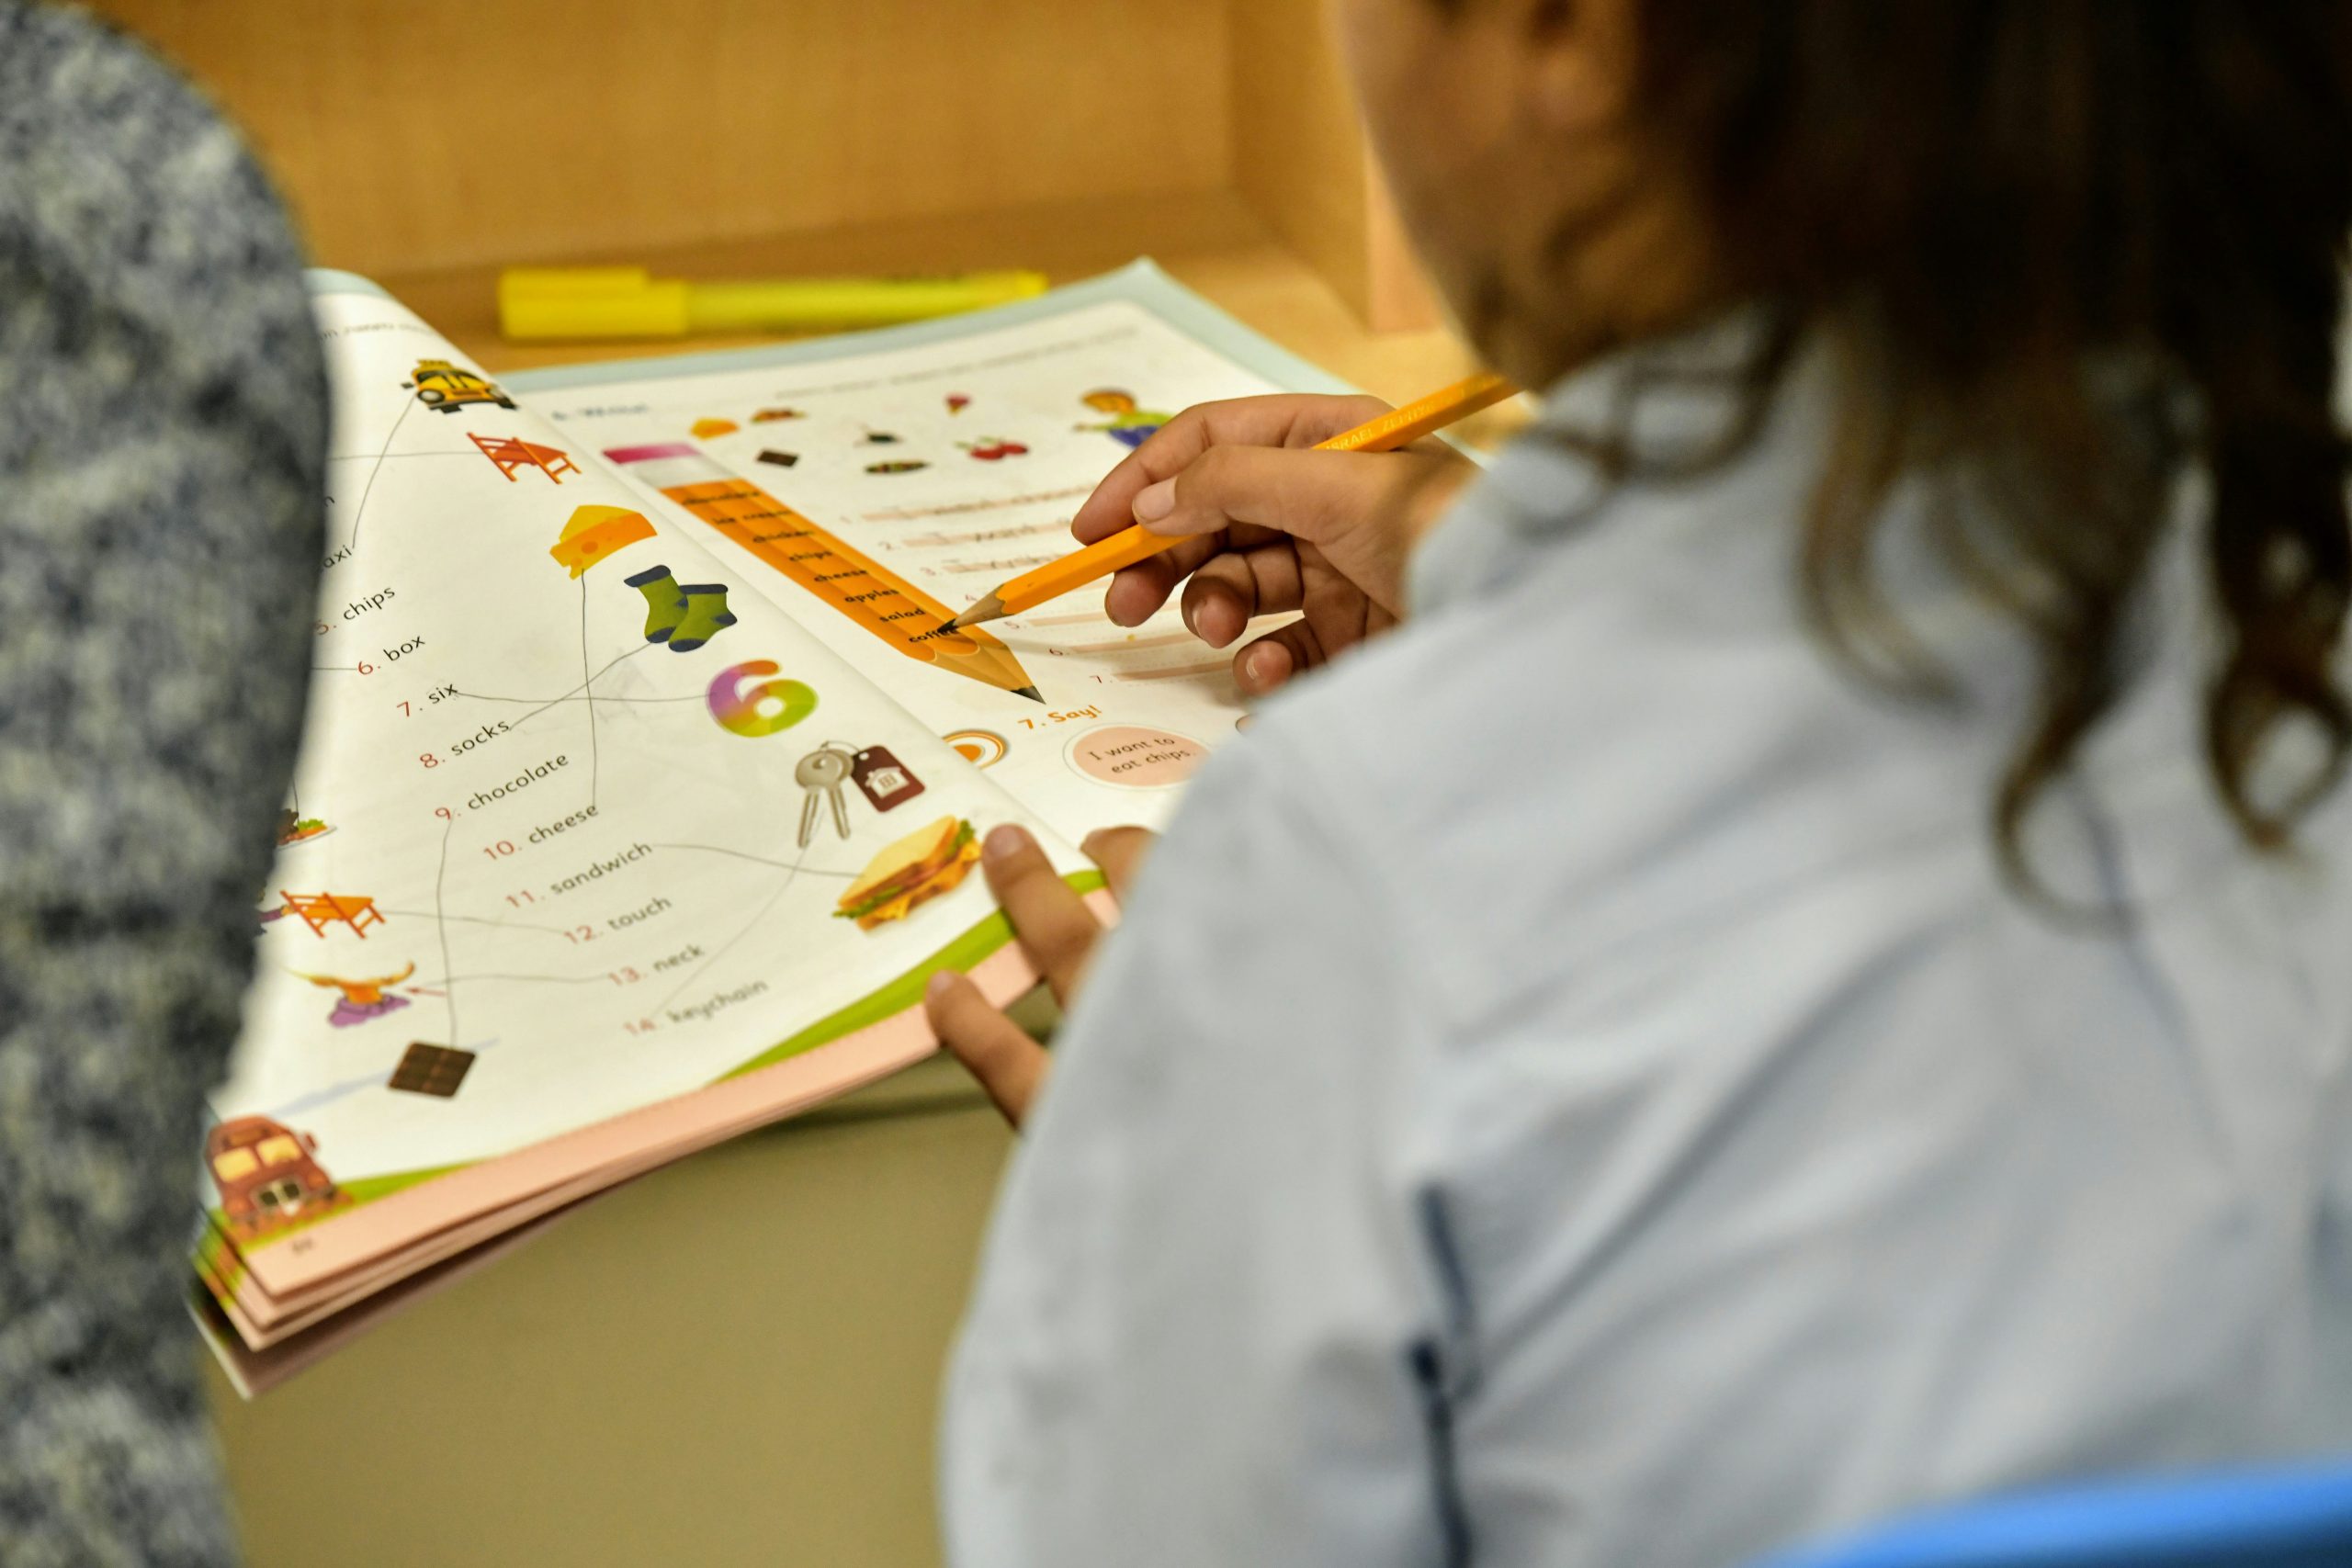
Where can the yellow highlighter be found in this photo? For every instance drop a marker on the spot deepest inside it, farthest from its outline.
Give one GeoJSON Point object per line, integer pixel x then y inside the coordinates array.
{"type": "Point", "coordinates": [628, 302]}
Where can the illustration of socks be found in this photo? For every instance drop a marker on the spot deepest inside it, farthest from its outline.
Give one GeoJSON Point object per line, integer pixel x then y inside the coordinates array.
{"type": "Point", "coordinates": [706, 616]}
{"type": "Point", "coordinates": [665, 602]}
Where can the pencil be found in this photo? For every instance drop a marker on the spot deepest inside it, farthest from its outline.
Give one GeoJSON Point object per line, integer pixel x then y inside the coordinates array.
{"type": "Point", "coordinates": [1398, 427]}
{"type": "Point", "coordinates": [869, 593]}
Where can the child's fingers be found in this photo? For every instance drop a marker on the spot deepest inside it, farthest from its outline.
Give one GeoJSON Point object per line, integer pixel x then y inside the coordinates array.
{"type": "Point", "coordinates": [1139, 590]}
{"type": "Point", "coordinates": [1230, 589]}
{"type": "Point", "coordinates": [1056, 929]}
{"type": "Point", "coordinates": [1349, 503]}
{"type": "Point", "coordinates": [1273, 658]}
{"type": "Point", "coordinates": [1282, 420]}
{"type": "Point", "coordinates": [1112, 506]}
{"type": "Point", "coordinates": [1008, 1064]}
{"type": "Point", "coordinates": [1120, 853]}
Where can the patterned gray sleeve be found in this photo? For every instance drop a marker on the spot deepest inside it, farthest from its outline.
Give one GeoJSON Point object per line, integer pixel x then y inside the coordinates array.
{"type": "Point", "coordinates": [162, 419]}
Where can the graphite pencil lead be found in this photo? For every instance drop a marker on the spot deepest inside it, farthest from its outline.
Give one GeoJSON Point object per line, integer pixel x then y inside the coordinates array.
{"type": "Point", "coordinates": [989, 609]}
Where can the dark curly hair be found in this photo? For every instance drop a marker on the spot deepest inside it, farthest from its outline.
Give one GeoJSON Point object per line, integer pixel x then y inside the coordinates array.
{"type": "Point", "coordinates": [2076, 253]}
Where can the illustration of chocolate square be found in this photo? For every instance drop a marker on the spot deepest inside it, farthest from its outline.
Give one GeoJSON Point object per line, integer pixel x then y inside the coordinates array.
{"type": "Point", "coordinates": [781, 459]}
{"type": "Point", "coordinates": [431, 1070]}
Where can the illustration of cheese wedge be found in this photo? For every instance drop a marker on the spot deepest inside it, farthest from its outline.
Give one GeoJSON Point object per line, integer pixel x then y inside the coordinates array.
{"type": "Point", "coordinates": [596, 532]}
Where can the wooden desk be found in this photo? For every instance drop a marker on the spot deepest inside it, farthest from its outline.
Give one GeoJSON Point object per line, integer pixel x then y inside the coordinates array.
{"type": "Point", "coordinates": [736, 1359]}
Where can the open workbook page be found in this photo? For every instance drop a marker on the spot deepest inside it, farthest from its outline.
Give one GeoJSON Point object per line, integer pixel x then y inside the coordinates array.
{"type": "Point", "coordinates": [940, 459]}
{"type": "Point", "coordinates": [584, 824]}
{"type": "Point", "coordinates": [642, 780]}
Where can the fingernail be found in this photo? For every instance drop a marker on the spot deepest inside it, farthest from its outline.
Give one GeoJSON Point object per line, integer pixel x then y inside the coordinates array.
{"type": "Point", "coordinates": [1003, 842]}
{"type": "Point", "coordinates": [1156, 502]}
{"type": "Point", "coordinates": [939, 985]}
{"type": "Point", "coordinates": [1265, 663]}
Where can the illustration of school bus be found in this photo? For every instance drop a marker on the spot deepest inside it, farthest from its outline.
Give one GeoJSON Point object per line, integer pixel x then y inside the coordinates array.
{"type": "Point", "coordinates": [444, 387]}
{"type": "Point", "coordinates": [267, 1176]}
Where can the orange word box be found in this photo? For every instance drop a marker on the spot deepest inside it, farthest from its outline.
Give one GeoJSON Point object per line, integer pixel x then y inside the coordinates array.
{"type": "Point", "coordinates": [869, 593]}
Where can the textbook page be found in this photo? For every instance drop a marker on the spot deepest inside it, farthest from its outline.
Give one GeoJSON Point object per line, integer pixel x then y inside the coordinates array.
{"type": "Point", "coordinates": [576, 816]}
{"type": "Point", "coordinates": [937, 460]}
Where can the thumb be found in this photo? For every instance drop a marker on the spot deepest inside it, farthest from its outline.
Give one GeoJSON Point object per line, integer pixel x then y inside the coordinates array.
{"type": "Point", "coordinates": [1009, 1064]}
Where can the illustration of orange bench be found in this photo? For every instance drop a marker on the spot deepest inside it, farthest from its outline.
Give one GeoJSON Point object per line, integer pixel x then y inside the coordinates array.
{"type": "Point", "coordinates": [511, 452]}
{"type": "Point", "coordinates": [320, 910]}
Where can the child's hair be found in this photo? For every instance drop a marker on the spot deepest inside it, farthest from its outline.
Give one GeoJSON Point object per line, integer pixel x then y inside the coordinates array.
{"type": "Point", "coordinates": [2069, 253]}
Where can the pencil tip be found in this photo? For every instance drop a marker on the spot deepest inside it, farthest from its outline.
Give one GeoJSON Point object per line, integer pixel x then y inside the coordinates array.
{"type": "Point", "coordinates": [1031, 692]}
{"type": "Point", "coordinates": [989, 609]}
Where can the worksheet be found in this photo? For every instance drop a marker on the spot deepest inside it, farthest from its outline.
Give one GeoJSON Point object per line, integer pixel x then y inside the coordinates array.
{"type": "Point", "coordinates": [642, 781]}
{"type": "Point", "coordinates": [955, 459]}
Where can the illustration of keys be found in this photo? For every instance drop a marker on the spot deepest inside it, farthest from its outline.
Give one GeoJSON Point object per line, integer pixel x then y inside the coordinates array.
{"type": "Point", "coordinates": [821, 772]}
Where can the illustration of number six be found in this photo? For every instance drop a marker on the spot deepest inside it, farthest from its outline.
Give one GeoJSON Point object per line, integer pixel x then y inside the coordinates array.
{"type": "Point", "coordinates": [743, 703]}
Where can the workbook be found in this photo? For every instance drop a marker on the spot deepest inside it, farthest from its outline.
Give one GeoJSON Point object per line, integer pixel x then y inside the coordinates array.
{"type": "Point", "coordinates": [643, 779]}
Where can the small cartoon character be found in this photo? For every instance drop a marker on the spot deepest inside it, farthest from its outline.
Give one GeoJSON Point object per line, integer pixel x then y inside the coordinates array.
{"type": "Point", "coordinates": [1129, 425]}
{"type": "Point", "coordinates": [442, 388]}
{"type": "Point", "coordinates": [994, 448]}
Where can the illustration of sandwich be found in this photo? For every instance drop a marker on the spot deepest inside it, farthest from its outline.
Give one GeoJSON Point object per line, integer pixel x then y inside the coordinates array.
{"type": "Point", "coordinates": [919, 867]}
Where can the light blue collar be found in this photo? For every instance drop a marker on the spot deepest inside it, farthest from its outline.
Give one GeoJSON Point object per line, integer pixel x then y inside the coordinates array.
{"type": "Point", "coordinates": [1621, 423]}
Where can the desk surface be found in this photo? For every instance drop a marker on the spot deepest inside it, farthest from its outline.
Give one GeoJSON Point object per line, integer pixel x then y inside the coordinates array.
{"type": "Point", "coordinates": [737, 1358]}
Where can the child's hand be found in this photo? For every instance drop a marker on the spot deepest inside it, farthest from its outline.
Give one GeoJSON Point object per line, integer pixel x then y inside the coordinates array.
{"type": "Point", "coordinates": [1280, 527]}
{"type": "Point", "coordinates": [1059, 933]}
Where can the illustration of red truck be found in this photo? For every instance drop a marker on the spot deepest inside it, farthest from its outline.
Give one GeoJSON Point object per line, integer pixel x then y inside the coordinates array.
{"type": "Point", "coordinates": [267, 1177]}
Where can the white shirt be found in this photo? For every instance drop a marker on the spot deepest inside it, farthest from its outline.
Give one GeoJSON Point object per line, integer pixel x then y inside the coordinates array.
{"type": "Point", "coordinates": [1572, 1090]}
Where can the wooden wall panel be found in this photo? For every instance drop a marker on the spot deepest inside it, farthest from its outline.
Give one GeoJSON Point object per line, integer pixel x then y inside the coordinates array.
{"type": "Point", "coordinates": [1398, 295]}
{"type": "Point", "coordinates": [416, 134]}
{"type": "Point", "coordinates": [1298, 157]}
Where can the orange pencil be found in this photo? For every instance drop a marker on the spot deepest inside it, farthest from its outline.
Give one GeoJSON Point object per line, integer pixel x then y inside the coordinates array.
{"type": "Point", "coordinates": [860, 586]}
{"type": "Point", "coordinates": [1398, 427]}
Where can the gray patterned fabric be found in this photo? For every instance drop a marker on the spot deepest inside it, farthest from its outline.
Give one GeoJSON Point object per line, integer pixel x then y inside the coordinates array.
{"type": "Point", "coordinates": [162, 450]}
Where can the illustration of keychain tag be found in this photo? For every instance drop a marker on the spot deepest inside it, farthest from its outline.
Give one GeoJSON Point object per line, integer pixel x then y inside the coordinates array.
{"type": "Point", "coordinates": [883, 779]}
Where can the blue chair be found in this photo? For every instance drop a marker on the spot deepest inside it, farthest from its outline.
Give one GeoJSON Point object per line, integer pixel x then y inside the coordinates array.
{"type": "Point", "coordinates": [2297, 1516]}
